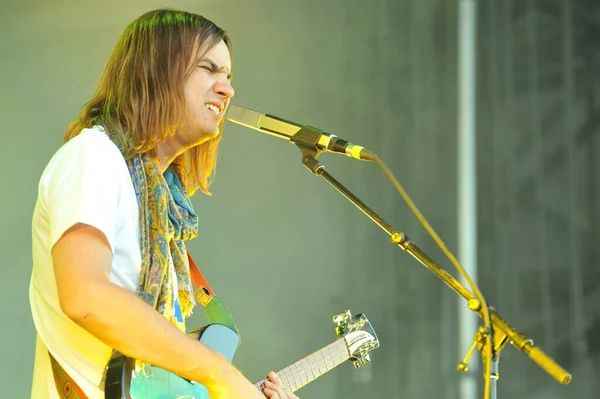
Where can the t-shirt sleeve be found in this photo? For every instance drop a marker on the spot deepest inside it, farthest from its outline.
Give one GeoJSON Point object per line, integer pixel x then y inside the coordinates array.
{"type": "Point", "coordinates": [83, 185]}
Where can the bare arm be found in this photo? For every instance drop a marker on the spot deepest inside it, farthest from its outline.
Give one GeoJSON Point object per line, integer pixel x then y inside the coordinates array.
{"type": "Point", "coordinates": [82, 259]}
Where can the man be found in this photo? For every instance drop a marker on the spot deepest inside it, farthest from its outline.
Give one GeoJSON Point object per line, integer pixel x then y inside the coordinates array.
{"type": "Point", "coordinates": [109, 261]}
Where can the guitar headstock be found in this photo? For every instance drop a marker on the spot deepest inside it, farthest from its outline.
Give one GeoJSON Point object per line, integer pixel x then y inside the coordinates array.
{"type": "Point", "coordinates": [359, 336]}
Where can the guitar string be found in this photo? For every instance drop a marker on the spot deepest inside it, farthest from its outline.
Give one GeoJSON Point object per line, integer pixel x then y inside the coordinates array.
{"type": "Point", "coordinates": [300, 377]}
{"type": "Point", "coordinates": [302, 371]}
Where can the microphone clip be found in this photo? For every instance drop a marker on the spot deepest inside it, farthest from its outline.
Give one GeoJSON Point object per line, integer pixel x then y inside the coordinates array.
{"type": "Point", "coordinates": [307, 140]}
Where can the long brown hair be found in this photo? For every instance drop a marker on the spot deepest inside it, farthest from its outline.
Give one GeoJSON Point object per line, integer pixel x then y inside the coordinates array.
{"type": "Point", "coordinates": [140, 99]}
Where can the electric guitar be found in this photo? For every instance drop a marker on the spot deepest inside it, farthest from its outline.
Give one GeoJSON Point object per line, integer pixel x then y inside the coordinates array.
{"type": "Point", "coordinates": [356, 338]}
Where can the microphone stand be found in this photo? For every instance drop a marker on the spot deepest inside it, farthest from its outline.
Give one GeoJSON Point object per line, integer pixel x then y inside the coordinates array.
{"type": "Point", "coordinates": [501, 332]}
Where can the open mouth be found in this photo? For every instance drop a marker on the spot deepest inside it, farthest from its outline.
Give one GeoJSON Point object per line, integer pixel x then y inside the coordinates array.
{"type": "Point", "coordinates": [214, 109]}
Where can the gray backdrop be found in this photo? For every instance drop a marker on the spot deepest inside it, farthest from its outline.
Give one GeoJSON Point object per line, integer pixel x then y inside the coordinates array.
{"type": "Point", "coordinates": [281, 247]}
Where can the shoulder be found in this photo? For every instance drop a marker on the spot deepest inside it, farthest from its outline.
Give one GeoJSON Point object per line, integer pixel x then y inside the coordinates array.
{"type": "Point", "coordinates": [86, 181]}
{"type": "Point", "coordinates": [91, 156]}
{"type": "Point", "coordinates": [92, 149]}
{"type": "Point", "coordinates": [90, 142]}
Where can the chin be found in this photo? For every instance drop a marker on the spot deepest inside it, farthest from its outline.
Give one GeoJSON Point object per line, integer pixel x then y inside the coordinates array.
{"type": "Point", "coordinates": [208, 136]}
{"type": "Point", "coordinates": [214, 134]}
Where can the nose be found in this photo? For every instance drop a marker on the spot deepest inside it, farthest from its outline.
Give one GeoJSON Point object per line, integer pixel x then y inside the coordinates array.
{"type": "Point", "coordinates": [224, 88]}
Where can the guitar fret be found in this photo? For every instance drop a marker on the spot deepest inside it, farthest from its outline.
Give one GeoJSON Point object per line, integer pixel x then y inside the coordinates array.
{"type": "Point", "coordinates": [286, 377]}
{"type": "Point", "coordinates": [327, 354]}
{"type": "Point", "coordinates": [302, 366]}
{"type": "Point", "coordinates": [283, 376]}
{"type": "Point", "coordinates": [314, 366]}
{"type": "Point", "coordinates": [297, 384]}
{"type": "Point", "coordinates": [332, 355]}
{"type": "Point", "coordinates": [294, 383]}
{"type": "Point", "coordinates": [318, 361]}
{"type": "Point", "coordinates": [299, 372]}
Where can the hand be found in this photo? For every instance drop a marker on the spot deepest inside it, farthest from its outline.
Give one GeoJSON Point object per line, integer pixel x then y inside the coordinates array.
{"type": "Point", "coordinates": [233, 386]}
{"type": "Point", "coordinates": [274, 389]}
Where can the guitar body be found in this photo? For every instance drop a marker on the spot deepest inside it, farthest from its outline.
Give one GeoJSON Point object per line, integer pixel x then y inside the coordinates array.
{"type": "Point", "coordinates": [124, 382]}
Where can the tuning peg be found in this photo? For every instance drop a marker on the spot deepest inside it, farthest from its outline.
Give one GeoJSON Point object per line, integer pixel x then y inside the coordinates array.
{"type": "Point", "coordinates": [360, 362]}
{"type": "Point", "coordinates": [346, 315]}
{"type": "Point", "coordinates": [356, 325]}
{"type": "Point", "coordinates": [342, 318]}
{"type": "Point", "coordinates": [341, 328]}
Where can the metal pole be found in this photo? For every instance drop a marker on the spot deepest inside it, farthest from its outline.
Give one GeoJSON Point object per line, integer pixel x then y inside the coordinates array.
{"type": "Point", "coordinates": [467, 205]}
{"type": "Point", "coordinates": [577, 326]}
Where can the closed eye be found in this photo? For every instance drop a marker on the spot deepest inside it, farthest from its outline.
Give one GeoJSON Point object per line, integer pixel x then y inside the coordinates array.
{"type": "Point", "coordinates": [211, 66]}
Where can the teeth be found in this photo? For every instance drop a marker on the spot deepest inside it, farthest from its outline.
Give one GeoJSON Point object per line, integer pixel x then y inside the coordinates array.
{"type": "Point", "coordinates": [213, 108]}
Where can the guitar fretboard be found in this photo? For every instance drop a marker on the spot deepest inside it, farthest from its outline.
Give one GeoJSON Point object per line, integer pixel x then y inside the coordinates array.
{"type": "Point", "coordinates": [310, 367]}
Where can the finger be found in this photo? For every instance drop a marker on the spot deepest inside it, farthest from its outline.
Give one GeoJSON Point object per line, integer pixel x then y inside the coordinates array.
{"type": "Point", "coordinates": [270, 393]}
{"type": "Point", "coordinates": [276, 389]}
{"type": "Point", "coordinates": [274, 378]}
{"type": "Point", "coordinates": [284, 393]}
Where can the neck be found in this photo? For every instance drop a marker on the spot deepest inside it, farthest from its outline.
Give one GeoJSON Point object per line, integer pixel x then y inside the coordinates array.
{"type": "Point", "coordinates": [309, 368]}
{"type": "Point", "coordinates": [175, 145]}
{"type": "Point", "coordinates": [167, 151]}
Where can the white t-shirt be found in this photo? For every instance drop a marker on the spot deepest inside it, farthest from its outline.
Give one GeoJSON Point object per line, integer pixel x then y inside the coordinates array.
{"type": "Point", "coordinates": [86, 181]}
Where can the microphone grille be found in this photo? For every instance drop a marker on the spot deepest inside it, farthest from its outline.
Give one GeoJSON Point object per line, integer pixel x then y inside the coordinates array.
{"type": "Point", "coordinates": [243, 116]}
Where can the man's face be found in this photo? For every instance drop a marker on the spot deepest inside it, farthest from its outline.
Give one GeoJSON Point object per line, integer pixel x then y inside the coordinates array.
{"type": "Point", "coordinates": [207, 93]}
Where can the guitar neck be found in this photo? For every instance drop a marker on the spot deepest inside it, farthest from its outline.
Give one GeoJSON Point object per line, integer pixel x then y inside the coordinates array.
{"type": "Point", "coordinates": [311, 367]}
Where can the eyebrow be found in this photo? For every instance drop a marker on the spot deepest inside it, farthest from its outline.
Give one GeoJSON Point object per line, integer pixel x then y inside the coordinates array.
{"type": "Point", "coordinates": [216, 67]}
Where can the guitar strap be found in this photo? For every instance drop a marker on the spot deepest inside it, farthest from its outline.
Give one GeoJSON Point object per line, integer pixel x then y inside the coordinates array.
{"type": "Point", "coordinates": [65, 386]}
{"type": "Point", "coordinates": [215, 311]}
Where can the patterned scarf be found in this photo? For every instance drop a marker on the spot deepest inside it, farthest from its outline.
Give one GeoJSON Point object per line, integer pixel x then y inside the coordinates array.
{"type": "Point", "coordinates": [167, 219]}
